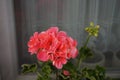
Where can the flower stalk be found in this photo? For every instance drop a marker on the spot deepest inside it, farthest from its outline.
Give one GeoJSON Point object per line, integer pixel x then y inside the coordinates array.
{"type": "Point", "coordinates": [84, 51]}
{"type": "Point", "coordinates": [57, 74]}
{"type": "Point", "coordinates": [87, 40]}
{"type": "Point", "coordinates": [85, 45]}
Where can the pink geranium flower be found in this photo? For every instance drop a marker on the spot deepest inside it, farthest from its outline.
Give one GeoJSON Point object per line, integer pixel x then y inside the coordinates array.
{"type": "Point", "coordinates": [33, 43]}
{"type": "Point", "coordinates": [66, 72]}
{"type": "Point", "coordinates": [53, 45]}
{"type": "Point", "coordinates": [42, 55]}
{"type": "Point", "coordinates": [59, 60]}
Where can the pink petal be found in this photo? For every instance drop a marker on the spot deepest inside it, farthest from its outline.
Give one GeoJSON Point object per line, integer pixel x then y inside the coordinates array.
{"type": "Point", "coordinates": [52, 30]}
{"type": "Point", "coordinates": [66, 73]}
{"type": "Point", "coordinates": [32, 50]}
{"type": "Point", "coordinates": [35, 34]}
{"type": "Point", "coordinates": [42, 56]}
{"type": "Point", "coordinates": [74, 52]}
{"type": "Point", "coordinates": [63, 61]}
{"type": "Point", "coordinates": [57, 64]}
{"type": "Point", "coordinates": [75, 43]}
{"type": "Point", "coordinates": [54, 45]}
{"type": "Point", "coordinates": [61, 33]}
{"type": "Point", "coordinates": [69, 55]}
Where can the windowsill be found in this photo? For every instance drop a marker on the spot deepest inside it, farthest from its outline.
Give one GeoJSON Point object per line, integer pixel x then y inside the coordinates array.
{"type": "Point", "coordinates": [26, 77]}
{"type": "Point", "coordinates": [112, 74]}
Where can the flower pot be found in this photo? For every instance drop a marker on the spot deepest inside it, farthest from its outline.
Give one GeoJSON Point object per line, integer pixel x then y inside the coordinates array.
{"type": "Point", "coordinates": [108, 58]}
{"type": "Point", "coordinates": [116, 59]}
{"type": "Point", "coordinates": [97, 59]}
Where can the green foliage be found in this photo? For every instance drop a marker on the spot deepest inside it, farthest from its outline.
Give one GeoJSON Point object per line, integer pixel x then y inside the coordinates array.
{"type": "Point", "coordinates": [85, 53]}
{"type": "Point", "coordinates": [28, 68]}
{"type": "Point", "coordinates": [69, 66]}
{"type": "Point", "coordinates": [72, 69]}
{"type": "Point", "coordinates": [76, 73]}
{"type": "Point", "coordinates": [94, 74]}
{"type": "Point", "coordinates": [63, 77]}
{"type": "Point", "coordinates": [45, 71]}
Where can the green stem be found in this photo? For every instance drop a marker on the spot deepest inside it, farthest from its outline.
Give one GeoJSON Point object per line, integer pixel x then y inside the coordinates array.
{"type": "Point", "coordinates": [80, 59]}
{"type": "Point", "coordinates": [87, 40]}
{"type": "Point", "coordinates": [57, 75]}
{"type": "Point", "coordinates": [79, 62]}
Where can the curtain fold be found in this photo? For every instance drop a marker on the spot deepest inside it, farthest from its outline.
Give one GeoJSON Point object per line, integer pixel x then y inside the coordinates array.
{"type": "Point", "coordinates": [73, 16]}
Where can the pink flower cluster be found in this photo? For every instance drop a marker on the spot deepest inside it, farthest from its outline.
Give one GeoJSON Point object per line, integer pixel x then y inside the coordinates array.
{"type": "Point", "coordinates": [53, 45]}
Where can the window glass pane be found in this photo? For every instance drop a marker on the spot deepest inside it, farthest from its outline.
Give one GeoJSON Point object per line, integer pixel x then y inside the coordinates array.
{"type": "Point", "coordinates": [71, 16]}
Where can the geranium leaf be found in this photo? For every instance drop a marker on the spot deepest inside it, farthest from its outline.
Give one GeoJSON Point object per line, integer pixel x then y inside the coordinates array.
{"type": "Point", "coordinates": [85, 53]}
{"type": "Point", "coordinates": [69, 66]}
{"type": "Point", "coordinates": [27, 68]}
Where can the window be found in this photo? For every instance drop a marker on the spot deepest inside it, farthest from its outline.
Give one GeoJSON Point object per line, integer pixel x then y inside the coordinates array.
{"type": "Point", "coordinates": [71, 16]}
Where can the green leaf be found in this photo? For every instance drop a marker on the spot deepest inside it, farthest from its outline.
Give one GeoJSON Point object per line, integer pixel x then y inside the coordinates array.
{"type": "Point", "coordinates": [40, 63]}
{"type": "Point", "coordinates": [44, 73]}
{"type": "Point", "coordinates": [100, 72]}
{"type": "Point", "coordinates": [27, 68]}
{"type": "Point", "coordinates": [46, 69]}
{"type": "Point", "coordinates": [97, 73]}
{"type": "Point", "coordinates": [69, 66]}
{"type": "Point", "coordinates": [85, 53]}
{"type": "Point", "coordinates": [92, 78]}
{"type": "Point", "coordinates": [40, 77]}
{"type": "Point", "coordinates": [64, 77]}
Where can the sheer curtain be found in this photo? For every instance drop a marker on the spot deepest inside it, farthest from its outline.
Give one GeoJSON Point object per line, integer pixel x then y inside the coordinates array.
{"type": "Point", "coordinates": [71, 16]}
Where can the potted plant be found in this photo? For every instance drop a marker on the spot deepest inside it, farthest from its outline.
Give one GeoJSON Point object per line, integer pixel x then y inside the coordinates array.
{"type": "Point", "coordinates": [116, 59]}
{"type": "Point", "coordinates": [97, 59]}
{"type": "Point", "coordinates": [55, 51]}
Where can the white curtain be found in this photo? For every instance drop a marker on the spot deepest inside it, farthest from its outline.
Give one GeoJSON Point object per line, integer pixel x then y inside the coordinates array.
{"type": "Point", "coordinates": [73, 16]}
{"type": "Point", "coordinates": [8, 50]}
{"type": "Point", "coordinates": [69, 15]}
